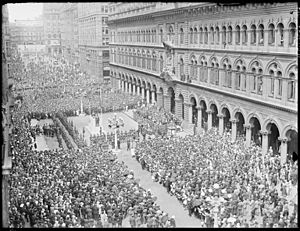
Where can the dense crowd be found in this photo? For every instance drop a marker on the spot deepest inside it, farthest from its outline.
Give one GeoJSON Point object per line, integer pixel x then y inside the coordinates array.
{"type": "Point", "coordinates": [67, 188]}
{"type": "Point", "coordinates": [154, 120]}
{"type": "Point", "coordinates": [223, 183]}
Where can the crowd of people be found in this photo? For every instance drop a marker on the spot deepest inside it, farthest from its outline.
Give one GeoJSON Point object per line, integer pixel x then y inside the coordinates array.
{"type": "Point", "coordinates": [223, 183]}
{"type": "Point", "coordinates": [67, 188]}
{"type": "Point", "coordinates": [154, 120]}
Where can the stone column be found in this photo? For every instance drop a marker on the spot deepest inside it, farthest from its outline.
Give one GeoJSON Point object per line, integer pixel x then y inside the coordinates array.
{"type": "Point", "coordinates": [143, 93]}
{"type": "Point", "coordinates": [283, 150]}
{"type": "Point", "coordinates": [248, 135]}
{"type": "Point", "coordinates": [190, 114]}
{"type": "Point", "coordinates": [186, 112]}
{"type": "Point", "coordinates": [148, 95]}
{"type": "Point", "coordinates": [233, 129]}
{"type": "Point", "coordinates": [208, 74]}
{"type": "Point", "coordinates": [159, 101]}
{"type": "Point", "coordinates": [248, 82]}
{"type": "Point", "coordinates": [264, 142]}
{"type": "Point", "coordinates": [125, 86]}
{"type": "Point", "coordinates": [209, 119]}
{"type": "Point", "coordinates": [153, 96]}
{"type": "Point", "coordinates": [130, 86]}
{"type": "Point", "coordinates": [199, 119]}
{"type": "Point", "coordinates": [221, 77]}
{"type": "Point", "coordinates": [233, 73]}
{"type": "Point", "coordinates": [133, 89]}
{"type": "Point", "coordinates": [138, 90]}
{"type": "Point", "coordinates": [178, 106]}
{"type": "Point", "coordinates": [221, 123]}
{"type": "Point", "coordinates": [167, 102]}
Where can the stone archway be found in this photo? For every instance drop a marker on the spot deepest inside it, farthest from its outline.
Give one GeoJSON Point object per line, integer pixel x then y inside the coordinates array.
{"type": "Point", "coordinates": [214, 116]}
{"type": "Point", "coordinates": [194, 110]}
{"type": "Point", "coordinates": [226, 119]}
{"type": "Point", "coordinates": [204, 115]}
{"type": "Point", "coordinates": [240, 131]}
{"type": "Point", "coordinates": [171, 94]}
{"type": "Point", "coordinates": [273, 134]}
{"type": "Point", "coordinates": [255, 131]}
{"type": "Point", "coordinates": [292, 144]}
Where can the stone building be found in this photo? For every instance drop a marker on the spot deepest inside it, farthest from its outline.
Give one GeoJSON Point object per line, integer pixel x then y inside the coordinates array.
{"type": "Point", "coordinates": [52, 36]}
{"type": "Point", "coordinates": [231, 66]}
{"type": "Point", "coordinates": [7, 104]}
{"type": "Point", "coordinates": [93, 39]}
{"type": "Point", "coordinates": [69, 31]}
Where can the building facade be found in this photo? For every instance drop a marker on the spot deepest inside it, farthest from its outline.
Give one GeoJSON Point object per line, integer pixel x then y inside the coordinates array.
{"type": "Point", "coordinates": [69, 32]}
{"type": "Point", "coordinates": [233, 67]}
{"type": "Point", "coordinates": [93, 39]}
{"type": "Point", "coordinates": [52, 36]}
{"type": "Point", "coordinates": [7, 104]}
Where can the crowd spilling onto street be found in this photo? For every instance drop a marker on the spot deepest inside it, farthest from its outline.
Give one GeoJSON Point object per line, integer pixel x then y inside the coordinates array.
{"type": "Point", "coordinates": [67, 188]}
{"type": "Point", "coordinates": [223, 183]}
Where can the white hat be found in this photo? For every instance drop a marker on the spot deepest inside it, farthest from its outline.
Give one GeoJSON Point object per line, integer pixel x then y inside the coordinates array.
{"type": "Point", "coordinates": [173, 217]}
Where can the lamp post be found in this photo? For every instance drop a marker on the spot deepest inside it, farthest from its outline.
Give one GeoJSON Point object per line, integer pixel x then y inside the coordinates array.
{"type": "Point", "coordinates": [115, 123]}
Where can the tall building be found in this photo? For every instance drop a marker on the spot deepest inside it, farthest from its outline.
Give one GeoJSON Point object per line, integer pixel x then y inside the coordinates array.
{"type": "Point", "coordinates": [93, 39]}
{"type": "Point", "coordinates": [27, 32]}
{"type": "Point", "coordinates": [231, 66]}
{"type": "Point", "coordinates": [7, 104]}
{"type": "Point", "coordinates": [69, 31]}
{"type": "Point", "coordinates": [52, 36]}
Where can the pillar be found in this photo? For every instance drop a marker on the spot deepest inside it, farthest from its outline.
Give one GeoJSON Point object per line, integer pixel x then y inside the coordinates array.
{"type": "Point", "coordinates": [167, 102]}
{"type": "Point", "coordinates": [190, 114]}
{"type": "Point", "coordinates": [186, 111]}
{"type": "Point", "coordinates": [178, 110]}
{"type": "Point", "coordinates": [264, 142]}
{"type": "Point", "coordinates": [233, 73]}
{"type": "Point", "coordinates": [209, 119]}
{"type": "Point", "coordinates": [283, 150]}
{"type": "Point", "coordinates": [153, 96]}
{"type": "Point", "coordinates": [221, 77]}
{"type": "Point", "coordinates": [143, 93]}
{"type": "Point", "coordinates": [148, 95]}
{"type": "Point", "coordinates": [133, 89]}
{"type": "Point", "coordinates": [208, 75]}
{"type": "Point", "coordinates": [248, 135]}
{"type": "Point", "coordinates": [129, 88]}
{"type": "Point", "coordinates": [138, 90]}
{"type": "Point", "coordinates": [221, 124]}
{"type": "Point", "coordinates": [125, 86]}
{"type": "Point", "coordinates": [199, 119]}
{"type": "Point", "coordinates": [159, 99]}
{"type": "Point", "coordinates": [233, 129]}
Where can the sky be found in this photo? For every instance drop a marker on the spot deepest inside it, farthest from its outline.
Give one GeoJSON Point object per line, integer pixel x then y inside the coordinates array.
{"type": "Point", "coordinates": [23, 11]}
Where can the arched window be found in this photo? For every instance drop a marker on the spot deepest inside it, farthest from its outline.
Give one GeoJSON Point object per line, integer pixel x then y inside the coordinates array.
{"type": "Point", "coordinates": [143, 60]}
{"type": "Point", "coordinates": [271, 81]}
{"type": "Point", "coordinates": [134, 59]}
{"type": "Point", "coordinates": [229, 35]}
{"type": "Point", "coordinates": [181, 69]}
{"type": "Point", "coordinates": [271, 34]}
{"type": "Point", "coordinates": [161, 64]}
{"type": "Point", "coordinates": [181, 34]}
{"type": "Point", "coordinates": [195, 70]}
{"type": "Point", "coordinates": [223, 34]}
{"type": "Point", "coordinates": [149, 61]}
{"type": "Point", "coordinates": [217, 35]}
{"type": "Point", "coordinates": [205, 35]}
{"type": "Point", "coordinates": [171, 34]}
{"type": "Point", "coordinates": [154, 62]}
{"type": "Point", "coordinates": [191, 35]}
{"type": "Point", "coordinates": [291, 86]}
{"type": "Point", "coordinates": [244, 34]}
{"type": "Point", "coordinates": [280, 34]}
{"type": "Point", "coordinates": [195, 36]}
{"type": "Point", "coordinates": [279, 79]}
{"type": "Point", "coordinates": [238, 78]}
{"type": "Point", "coordinates": [212, 35]}
{"type": "Point", "coordinates": [292, 34]}
{"type": "Point", "coordinates": [201, 35]}
{"type": "Point", "coordinates": [161, 35]}
{"type": "Point", "coordinates": [261, 34]}
{"type": "Point", "coordinates": [253, 34]}
{"type": "Point", "coordinates": [238, 35]}
{"type": "Point", "coordinates": [192, 69]}
{"type": "Point", "coordinates": [260, 82]}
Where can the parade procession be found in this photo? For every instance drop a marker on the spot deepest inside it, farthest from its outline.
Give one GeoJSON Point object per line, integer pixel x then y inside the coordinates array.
{"type": "Point", "coordinates": [157, 120]}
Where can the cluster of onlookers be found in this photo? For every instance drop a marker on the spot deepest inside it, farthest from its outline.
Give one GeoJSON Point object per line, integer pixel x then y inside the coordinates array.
{"type": "Point", "coordinates": [223, 183]}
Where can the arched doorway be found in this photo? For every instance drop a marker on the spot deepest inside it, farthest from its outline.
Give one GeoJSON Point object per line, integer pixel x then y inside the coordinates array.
{"type": "Point", "coordinates": [292, 144]}
{"type": "Point", "coordinates": [194, 110]}
{"type": "Point", "coordinates": [204, 115]}
{"type": "Point", "coordinates": [161, 91]}
{"type": "Point", "coordinates": [273, 137]}
{"type": "Point", "coordinates": [215, 119]}
{"type": "Point", "coordinates": [255, 131]}
{"type": "Point", "coordinates": [240, 131]}
{"type": "Point", "coordinates": [171, 94]}
{"type": "Point", "coordinates": [181, 102]}
{"type": "Point", "coordinates": [226, 119]}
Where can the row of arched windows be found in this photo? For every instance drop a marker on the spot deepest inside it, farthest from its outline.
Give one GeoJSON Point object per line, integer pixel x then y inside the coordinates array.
{"type": "Point", "coordinates": [140, 36]}
{"type": "Point", "coordinates": [224, 35]}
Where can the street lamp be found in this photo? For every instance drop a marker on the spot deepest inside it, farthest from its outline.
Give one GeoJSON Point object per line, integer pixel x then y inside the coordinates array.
{"type": "Point", "coordinates": [115, 123]}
